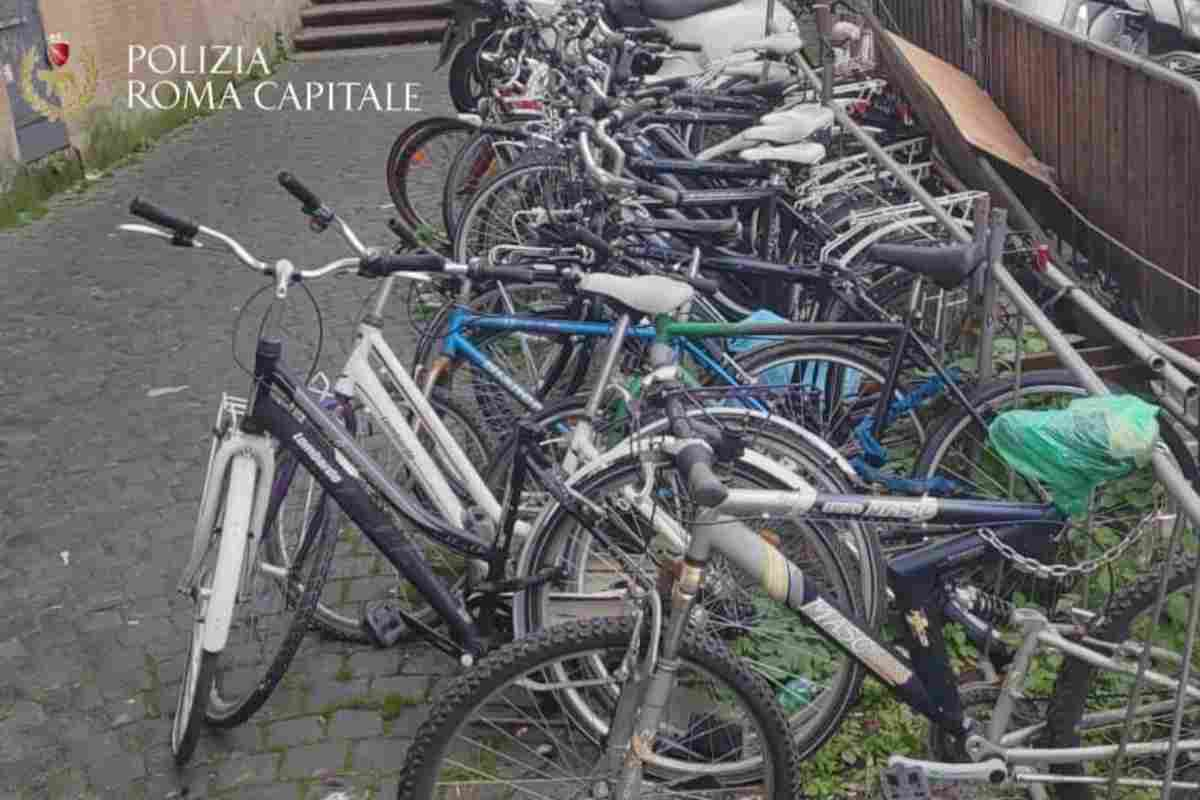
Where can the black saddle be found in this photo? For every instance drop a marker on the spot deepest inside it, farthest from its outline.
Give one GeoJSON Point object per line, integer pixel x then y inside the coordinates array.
{"type": "Point", "coordinates": [946, 265]}
{"type": "Point", "coordinates": [641, 13]}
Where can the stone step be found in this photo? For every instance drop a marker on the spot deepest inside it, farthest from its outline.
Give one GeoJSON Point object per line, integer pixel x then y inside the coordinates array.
{"type": "Point", "coordinates": [364, 12]}
{"type": "Point", "coordinates": [373, 35]}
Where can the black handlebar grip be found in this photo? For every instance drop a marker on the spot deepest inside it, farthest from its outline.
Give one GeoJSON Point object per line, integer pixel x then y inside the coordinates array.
{"type": "Point", "coordinates": [162, 218]}
{"type": "Point", "coordinates": [384, 264]}
{"type": "Point", "coordinates": [687, 47]}
{"type": "Point", "coordinates": [585, 237]}
{"type": "Point", "coordinates": [299, 191]}
{"type": "Point", "coordinates": [510, 274]}
{"type": "Point", "coordinates": [695, 462]}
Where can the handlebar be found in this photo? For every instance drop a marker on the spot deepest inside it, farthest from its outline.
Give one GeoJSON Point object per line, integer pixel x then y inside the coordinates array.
{"type": "Point", "coordinates": [612, 180]}
{"type": "Point", "coordinates": [369, 263]}
{"type": "Point", "coordinates": [695, 459]}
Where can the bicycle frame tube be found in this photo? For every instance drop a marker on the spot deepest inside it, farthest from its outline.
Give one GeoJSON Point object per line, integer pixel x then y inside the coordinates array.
{"type": "Point", "coordinates": [337, 462]}
{"type": "Point", "coordinates": [403, 437]}
{"type": "Point", "coordinates": [720, 530]}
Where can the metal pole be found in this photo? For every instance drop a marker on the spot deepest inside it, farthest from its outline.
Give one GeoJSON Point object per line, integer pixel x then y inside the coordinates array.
{"type": "Point", "coordinates": [1130, 337]}
{"type": "Point", "coordinates": [1164, 468]}
{"type": "Point", "coordinates": [997, 233]}
{"type": "Point", "coordinates": [824, 14]}
{"type": "Point", "coordinates": [766, 70]}
{"type": "Point", "coordinates": [1059, 280]}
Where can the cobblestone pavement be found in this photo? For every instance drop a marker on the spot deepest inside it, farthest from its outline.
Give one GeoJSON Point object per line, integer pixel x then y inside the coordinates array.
{"type": "Point", "coordinates": [102, 474]}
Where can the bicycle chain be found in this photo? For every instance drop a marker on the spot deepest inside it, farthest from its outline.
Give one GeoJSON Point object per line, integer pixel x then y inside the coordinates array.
{"type": "Point", "coordinates": [1059, 571]}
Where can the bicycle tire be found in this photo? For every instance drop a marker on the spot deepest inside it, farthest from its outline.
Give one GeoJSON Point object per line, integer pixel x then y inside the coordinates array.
{"type": "Point", "coordinates": [861, 375]}
{"type": "Point", "coordinates": [476, 163]}
{"type": "Point", "coordinates": [417, 166]}
{"type": "Point", "coordinates": [941, 454]}
{"type": "Point", "coordinates": [196, 686]}
{"type": "Point", "coordinates": [526, 187]}
{"type": "Point", "coordinates": [338, 614]}
{"type": "Point", "coordinates": [539, 653]}
{"type": "Point", "coordinates": [305, 581]}
{"type": "Point", "coordinates": [785, 444]}
{"type": "Point", "coordinates": [1069, 702]}
{"type": "Point", "coordinates": [550, 545]}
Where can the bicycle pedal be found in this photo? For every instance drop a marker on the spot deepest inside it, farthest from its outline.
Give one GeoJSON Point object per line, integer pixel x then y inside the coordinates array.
{"type": "Point", "coordinates": [385, 624]}
{"type": "Point", "coordinates": [900, 782]}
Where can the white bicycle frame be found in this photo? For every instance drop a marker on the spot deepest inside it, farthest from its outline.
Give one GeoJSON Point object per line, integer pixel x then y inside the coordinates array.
{"type": "Point", "coordinates": [360, 379]}
{"type": "Point", "coordinates": [234, 500]}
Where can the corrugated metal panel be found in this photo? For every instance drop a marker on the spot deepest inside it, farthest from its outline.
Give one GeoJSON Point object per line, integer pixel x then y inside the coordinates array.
{"type": "Point", "coordinates": [1123, 135]}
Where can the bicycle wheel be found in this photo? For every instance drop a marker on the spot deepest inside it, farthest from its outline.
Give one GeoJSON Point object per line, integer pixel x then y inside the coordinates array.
{"type": "Point", "coordinates": [510, 724]}
{"type": "Point", "coordinates": [231, 524]}
{"type": "Point", "coordinates": [832, 389]}
{"type": "Point", "coordinates": [1083, 693]}
{"type": "Point", "coordinates": [276, 599]}
{"type": "Point", "coordinates": [417, 167]}
{"type": "Point", "coordinates": [959, 451]}
{"type": "Point", "coordinates": [198, 671]}
{"type": "Point", "coordinates": [503, 211]}
{"type": "Point", "coordinates": [477, 162]}
{"type": "Point", "coordinates": [816, 679]}
{"type": "Point", "coordinates": [360, 574]}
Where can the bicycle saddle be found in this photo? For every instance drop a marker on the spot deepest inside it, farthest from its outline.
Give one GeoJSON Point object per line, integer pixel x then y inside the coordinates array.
{"type": "Point", "coordinates": [799, 153]}
{"type": "Point", "coordinates": [649, 294]}
{"type": "Point", "coordinates": [778, 44]}
{"type": "Point", "coordinates": [806, 119]}
{"type": "Point", "coordinates": [946, 265]}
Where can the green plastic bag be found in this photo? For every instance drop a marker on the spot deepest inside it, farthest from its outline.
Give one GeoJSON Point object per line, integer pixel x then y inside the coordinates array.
{"type": "Point", "coordinates": [1074, 450]}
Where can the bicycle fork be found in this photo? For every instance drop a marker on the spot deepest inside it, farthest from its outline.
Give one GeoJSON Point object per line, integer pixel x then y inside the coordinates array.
{"type": "Point", "coordinates": [237, 492]}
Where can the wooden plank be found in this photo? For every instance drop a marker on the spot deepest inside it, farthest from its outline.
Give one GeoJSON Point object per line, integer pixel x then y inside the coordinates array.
{"type": "Point", "coordinates": [1113, 358]}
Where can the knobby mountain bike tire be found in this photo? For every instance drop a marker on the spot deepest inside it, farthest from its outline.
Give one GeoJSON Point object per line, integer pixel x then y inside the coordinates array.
{"type": "Point", "coordinates": [446, 751]}
{"type": "Point", "coordinates": [1080, 690]}
{"type": "Point", "coordinates": [782, 649]}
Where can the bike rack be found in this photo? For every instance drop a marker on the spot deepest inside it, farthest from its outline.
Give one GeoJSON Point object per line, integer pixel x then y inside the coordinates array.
{"type": "Point", "coordinates": [1169, 366]}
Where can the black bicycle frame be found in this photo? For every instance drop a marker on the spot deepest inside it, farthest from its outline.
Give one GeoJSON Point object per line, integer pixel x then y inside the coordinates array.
{"type": "Point", "coordinates": [925, 680]}
{"type": "Point", "coordinates": [311, 436]}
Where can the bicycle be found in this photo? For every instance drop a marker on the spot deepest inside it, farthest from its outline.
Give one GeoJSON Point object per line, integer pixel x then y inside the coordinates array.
{"type": "Point", "coordinates": [282, 414]}
{"type": "Point", "coordinates": [992, 753]}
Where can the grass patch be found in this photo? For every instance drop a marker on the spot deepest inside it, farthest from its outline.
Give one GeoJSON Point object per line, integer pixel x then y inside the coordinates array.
{"type": "Point", "coordinates": [344, 674]}
{"type": "Point", "coordinates": [115, 137]}
{"type": "Point", "coordinates": [393, 705]}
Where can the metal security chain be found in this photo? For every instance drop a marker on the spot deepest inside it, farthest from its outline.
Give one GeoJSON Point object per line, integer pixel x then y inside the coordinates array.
{"type": "Point", "coordinates": [1060, 571]}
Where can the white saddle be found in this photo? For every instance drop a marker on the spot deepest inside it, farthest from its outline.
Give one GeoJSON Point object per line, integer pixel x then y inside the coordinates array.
{"type": "Point", "coordinates": [649, 294]}
{"type": "Point", "coordinates": [801, 153]}
{"type": "Point", "coordinates": [777, 44]}
{"type": "Point", "coordinates": [805, 119]}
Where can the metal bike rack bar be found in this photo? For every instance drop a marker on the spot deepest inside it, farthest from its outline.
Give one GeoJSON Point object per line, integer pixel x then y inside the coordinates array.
{"type": "Point", "coordinates": [1167, 362]}
{"type": "Point", "coordinates": [1164, 467]}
